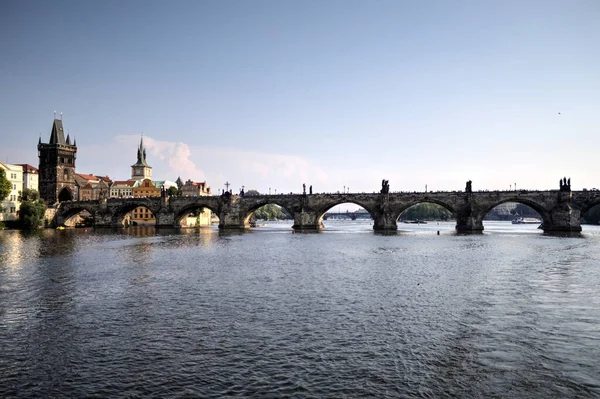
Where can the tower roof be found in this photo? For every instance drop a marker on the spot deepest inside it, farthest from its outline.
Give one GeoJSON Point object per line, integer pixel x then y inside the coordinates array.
{"type": "Point", "coordinates": [141, 155]}
{"type": "Point", "coordinates": [58, 135]}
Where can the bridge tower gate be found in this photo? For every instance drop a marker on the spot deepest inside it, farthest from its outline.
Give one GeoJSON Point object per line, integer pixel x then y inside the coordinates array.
{"type": "Point", "coordinates": [57, 166]}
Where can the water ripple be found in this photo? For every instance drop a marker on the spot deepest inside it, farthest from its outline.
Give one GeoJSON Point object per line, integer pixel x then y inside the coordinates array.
{"type": "Point", "coordinates": [144, 313]}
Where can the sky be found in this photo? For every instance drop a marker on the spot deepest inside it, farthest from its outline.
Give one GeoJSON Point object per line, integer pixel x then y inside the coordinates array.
{"type": "Point", "coordinates": [334, 94]}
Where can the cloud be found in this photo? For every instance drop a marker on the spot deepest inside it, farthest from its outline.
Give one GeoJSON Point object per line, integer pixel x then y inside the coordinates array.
{"type": "Point", "coordinates": [177, 155]}
{"type": "Point", "coordinates": [215, 165]}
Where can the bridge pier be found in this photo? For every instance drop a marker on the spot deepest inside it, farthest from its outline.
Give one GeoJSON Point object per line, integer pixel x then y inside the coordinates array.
{"type": "Point", "coordinates": [384, 221]}
{"type": "Point", "coordinates": [232, 213]}
{"type": "Point", "coordinates": [563, 218]}
{"type": "Point", "coordinates": [103, 218]}
{"type": "Point", "coordinates": [307, 221]}
{"type": "Point", "coordinates": [165, 218]}
{"type": "Point", "coordinates": [469, 221]}
{"type": "Point", "coordinates": [230, 220]}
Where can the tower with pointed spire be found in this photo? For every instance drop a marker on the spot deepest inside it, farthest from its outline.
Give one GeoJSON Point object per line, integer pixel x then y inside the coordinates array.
{"type": "Point", "coordinates": [141, 170]}
{"type": "Point", "coordinates": [57, 166]}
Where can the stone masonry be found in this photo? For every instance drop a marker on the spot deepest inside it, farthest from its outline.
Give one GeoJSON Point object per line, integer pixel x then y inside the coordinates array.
{"type": "Point", "coordinates": [560, 210]}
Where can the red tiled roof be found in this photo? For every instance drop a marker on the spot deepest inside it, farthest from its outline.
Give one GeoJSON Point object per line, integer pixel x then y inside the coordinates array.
{"type": "Point", "coordinates": [28, 168]}
{"type": "Point", "coordinates": [87, 177]}
{"type": "Point", "coordinates": [129, 183]}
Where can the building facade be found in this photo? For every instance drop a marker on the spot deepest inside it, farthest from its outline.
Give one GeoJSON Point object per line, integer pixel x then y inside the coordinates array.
{"type": "Point", "coordinates": [91, 187]}
{"type": "Point", "coordinates": [57, 166]}
{"type": "Point", "coordinates": [10, 205]}
{"type": "Point", "coordinates": [122, 189]}
{"type": "Point", "coordinates": [30, 177]}
{"type": "Point", "coordinates": [192, 189]}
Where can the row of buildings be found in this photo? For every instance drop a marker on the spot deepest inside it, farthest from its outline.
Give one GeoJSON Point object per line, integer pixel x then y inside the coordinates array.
{"type": "Point", "coordinates": [56, 180]}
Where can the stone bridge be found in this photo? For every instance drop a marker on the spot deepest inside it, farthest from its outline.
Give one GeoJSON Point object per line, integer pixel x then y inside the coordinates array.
{"type": "Point", "coordinates": [560, 210]}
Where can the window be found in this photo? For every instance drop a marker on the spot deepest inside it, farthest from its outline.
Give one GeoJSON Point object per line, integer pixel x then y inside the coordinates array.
{"type": "Point", "coordinates": [14, 186]}
{"type": "Point", "coordinates": [12, 209]}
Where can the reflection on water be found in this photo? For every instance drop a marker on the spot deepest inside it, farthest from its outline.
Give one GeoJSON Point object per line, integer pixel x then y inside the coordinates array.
{"type": "Point", "coordinates": [346, 313]}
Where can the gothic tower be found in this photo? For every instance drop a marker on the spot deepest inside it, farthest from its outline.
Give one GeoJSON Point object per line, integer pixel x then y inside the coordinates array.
{"type": "Point", "coordinates": [57, 166]}
{"type": "Point", "coordinates": [140, 170]}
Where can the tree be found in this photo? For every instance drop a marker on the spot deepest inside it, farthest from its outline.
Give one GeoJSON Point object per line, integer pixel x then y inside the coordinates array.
{"type": "Point", "coordinates": [173, 191]}
{"type": "Point", "coordinates": [32, 210]}
{"type": "Point", "coordinates": [5, 185]}
{"type": "Point", "coordinates": [29, 195]}
{"type": "Point", "coordinates": [426, 211]}
{"type": "Point", "coordinates": [269, 212]}
{"type": "Point", "coordinates": [252, 192]}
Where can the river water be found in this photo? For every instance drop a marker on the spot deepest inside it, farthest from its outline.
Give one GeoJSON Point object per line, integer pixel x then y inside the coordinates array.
{"type": "Point", "coordinates": [510, 313]}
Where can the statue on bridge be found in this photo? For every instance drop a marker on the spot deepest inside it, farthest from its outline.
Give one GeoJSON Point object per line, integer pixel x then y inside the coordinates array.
{"type": "Point", "coordinates": [310, 190]}
{"type": "Point", "coordinates": [226, 195]}
{"type": "Point", "coordinates": [469, 188]}
{"type": "Point", "coordinates": [385, 186]}
{"type": "Point", "coordinates": [565, 184]}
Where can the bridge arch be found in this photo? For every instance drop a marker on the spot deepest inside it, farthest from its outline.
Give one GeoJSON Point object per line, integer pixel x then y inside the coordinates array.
{"type": "Point", "coordinates": [259, 204]}
{"type": "Point", "coordinates": [426, 200]}
{"type": "Point", "coordinates": [120, 212]}
{"type": "Point", "coordinates": [543, 212]}
{"type": "Point", "coordinates": [585, 207]}
{"type": "Point", "coordinates": [323, 210]}
{"type": "Point", "coordinates": [189, 208]}
{"type": "Point", "coordinates": [68, 210]}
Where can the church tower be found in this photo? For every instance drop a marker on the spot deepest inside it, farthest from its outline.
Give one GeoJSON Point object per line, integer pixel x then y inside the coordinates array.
{"type": "Point", "coordinates": [57, 166]}
{"type": "Point", "coordinates": [140, 170]}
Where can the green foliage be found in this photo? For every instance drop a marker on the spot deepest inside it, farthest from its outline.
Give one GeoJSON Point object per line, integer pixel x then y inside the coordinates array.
{"type": "Point", "coordinates": [269, 212]}
{"type": "Point", "coordinates": [173, 191]}
{"type": "Point", "coordinates": [426, 211]}
{"type": "Point", "coordinates": [32, 212]}
{"type": "Point", "coordinates": [5, 185]}
{"type": "Point", "coordinates": [29, 195]}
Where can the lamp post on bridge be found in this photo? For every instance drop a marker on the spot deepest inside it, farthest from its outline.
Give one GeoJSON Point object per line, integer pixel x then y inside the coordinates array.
{"type": "Point", "coordinates": [269, 190]}
{"type": "Point", "coordinates": [515, 186]}
{"type": "Point", "coordinates": [344, 190]}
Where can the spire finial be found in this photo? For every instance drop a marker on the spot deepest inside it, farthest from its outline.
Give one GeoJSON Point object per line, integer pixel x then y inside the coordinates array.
{"type": "Point", "coordinates": [61, 116]}
{"type": "Point", "coordinates": [54, 114]}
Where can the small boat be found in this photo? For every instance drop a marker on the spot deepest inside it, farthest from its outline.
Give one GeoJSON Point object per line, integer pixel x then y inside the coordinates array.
{"type": "Point", "coordinates": [521, 220]}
